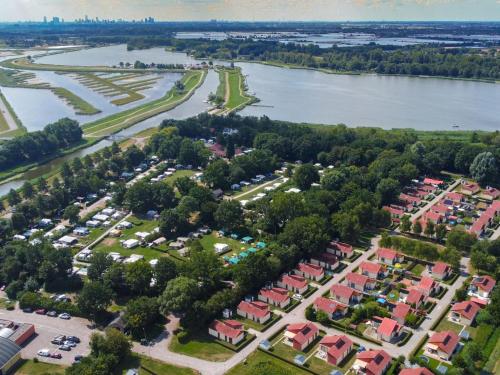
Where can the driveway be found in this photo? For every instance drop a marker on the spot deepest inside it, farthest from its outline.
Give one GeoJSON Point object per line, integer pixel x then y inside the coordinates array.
{"type": "Point", "coordinates": [46, 328]}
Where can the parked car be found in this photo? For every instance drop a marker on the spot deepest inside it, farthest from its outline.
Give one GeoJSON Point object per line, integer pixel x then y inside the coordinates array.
{"type": "Point", "coordinates": [57, 341]}
{"type": "Point", "coordinates": [297, 297]}
{"type": "Point", "coordinates": [28, 310]}
{"type": "Point", "coordinates": [71, 344]}
{"type": "Point", "coordinates": [56, 355]}
{"type": "Point", "coordinates": [65, 348]}
{"type": "Point", "coordinates": [145, 342]}
{"type": "Point", "coordinates": [43, 353]}
{"type": "Point", "coordinates": [65, 316]}
{"type": "Point", "coordinates": [78, 358]}
{"type": "Point", "coordinates": [40, 311]}
{"type": "Point", "coordinates": [52, 314]}
{"type": "Point", "coordinates": [74, 339]}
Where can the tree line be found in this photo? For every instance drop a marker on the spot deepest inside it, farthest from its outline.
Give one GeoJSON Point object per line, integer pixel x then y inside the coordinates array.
{"type": "Point", "coordinates": [35, 146]}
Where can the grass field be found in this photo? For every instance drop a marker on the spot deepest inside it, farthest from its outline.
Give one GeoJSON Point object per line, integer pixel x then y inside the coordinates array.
{"type": "Point", "coordinates": [234, 90]}
{"type": "Point", "coordinates": [110, 244]}
{"type": "Point", "coordinates": [81, 106]}
{"type": "Point", "coordinates": [29, 367]}
{"type": "Point", "coordinates": [446, 325]}
{"type": "Point", "coordinates": [259, 361]}
{"type": "Point", "coordinates": [4, 126]}
{"type": "Point", "coordinates": [111, 124]}
{"type": "Point", "coordinates": [210, 240]}
{"type": "Point", "coordinates": [201, 346]}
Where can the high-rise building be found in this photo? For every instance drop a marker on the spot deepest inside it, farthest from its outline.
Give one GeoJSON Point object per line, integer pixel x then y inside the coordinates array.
{"type": "Point", "coordinates": [44, 19]}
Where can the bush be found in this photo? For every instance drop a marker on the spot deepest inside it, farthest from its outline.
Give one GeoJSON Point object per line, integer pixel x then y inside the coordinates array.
{"type": "Point", "coordinates": [183, 337]}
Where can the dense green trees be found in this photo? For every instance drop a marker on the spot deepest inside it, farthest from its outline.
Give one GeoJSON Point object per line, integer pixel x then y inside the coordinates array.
{"type": "Point", "coordinates": [34, 146]}
{"type": "Point", "coordinates": [484, 168]}
{"type": "Point", "coordinates": [305, 175]}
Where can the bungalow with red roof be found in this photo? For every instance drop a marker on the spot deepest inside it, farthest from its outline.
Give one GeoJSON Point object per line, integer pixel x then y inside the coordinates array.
{"type": "Point", "coordinates": [275, 296]}
{"type": "Point", "coordinates": [454, 197]}
{"type": "Point", "coordinates": [428, 286]}
{"type": "Point", "coordinates": [230, 331]}
{"type": "Point", "coordinates": [389, 256]}
{"type": "Point", "coordinates": [482, 286]}
{"type": "Point", "coordinates": [310, 271]}
{"type": "Point", "coordinates": [345, 295]}
{"type": "Point", "coordinates": [433, 182]}
{"type": "Point", "coordinates": [294, 283]}
{"type": "Point", "coordinates": [409, 199]}
{"type": "Point", "coordinates": [470, 188]}
{"type": "Point", "coordinates": [360, 282]}
{"type": "Point", "coordinates": [326, 260]}
{"type": "Point", "coordinates": [482, 303]}
{"type": "Point", "coordinates": [388, 330]}
{"type": "Point", "coordinates": [330, 307]}
{"type": "Point", "coordinates": [433, 216]}
{"type": "Point", "coordinates": [441, 270]}
{"type": "Point", "coordinates": [371, 362]}
{"type": "Point", "coordinates": [340, 249]}
{"type": "Point", "coordinates": [442, 344]}
{"type": "Point", "coordinates": [396, 213]}
{"type": "Point", "coordinates": [416, 371]}
{"type": "Point", "coordinates": [464, 312]}
{"type": "Point", "coordinates": [416, 298]}
{"type": "Point", "coordinates": [490, 193]}
{"type": "Point", "coordinates": [300, 335]}
{"type": "Point", "coordinates": [256, 310]}
{"type": "Point", "coordinates": [442, 209]}
{"type": "Point", "coordinates": [400, 312]}
{"type": "Point", "coordinates": [373, 270]}
{"type": "Point", "coordinates": [335, 348]}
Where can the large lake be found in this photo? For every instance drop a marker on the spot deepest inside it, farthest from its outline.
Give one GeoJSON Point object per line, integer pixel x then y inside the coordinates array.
{"type": "Point", "coordinates": [360, 100]}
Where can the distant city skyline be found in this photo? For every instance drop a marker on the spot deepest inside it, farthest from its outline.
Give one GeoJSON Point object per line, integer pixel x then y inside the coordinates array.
{"type": "Point", "coordinates": [252, 10]}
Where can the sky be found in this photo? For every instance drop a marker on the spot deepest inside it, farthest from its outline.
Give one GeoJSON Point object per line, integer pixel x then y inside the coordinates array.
{"type": "Point", "coordinates": [254, 10]}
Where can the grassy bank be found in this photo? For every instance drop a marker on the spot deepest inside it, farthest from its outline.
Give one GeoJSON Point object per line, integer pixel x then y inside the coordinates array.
{"type": "Point", "coordinates": [232, 82]}
{"type": "Point", "coordinates": [4, 128]}
{"type": "Point", "coordinates": [25, 64]}
{"type": "Point", "coordinates": [81, 106]}
{"type": "Point", "coordinates": [114, 123]}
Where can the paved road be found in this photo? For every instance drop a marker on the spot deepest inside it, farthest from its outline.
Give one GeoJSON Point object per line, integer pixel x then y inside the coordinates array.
{"type": "Point", "coordinates": [434, 201]}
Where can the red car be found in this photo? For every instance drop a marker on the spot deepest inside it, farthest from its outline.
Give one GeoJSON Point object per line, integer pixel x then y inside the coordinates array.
{"type": "Point", "coordinates": [56, 355]}
{"type": "Point", "coordinates": [40, 311]}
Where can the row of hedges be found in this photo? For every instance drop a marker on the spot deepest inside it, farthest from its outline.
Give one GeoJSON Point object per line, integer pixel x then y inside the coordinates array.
{"type": "Point", "coordinates": [441, 317]}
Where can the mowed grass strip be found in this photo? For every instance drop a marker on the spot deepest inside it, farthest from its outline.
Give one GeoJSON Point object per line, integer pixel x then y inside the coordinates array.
{"type": "Point", "coordinates": [81, 106]}
{"type": "Point", "coordinates": [201, 345]}
{"type": "Point", "coordinates": [111, 124]}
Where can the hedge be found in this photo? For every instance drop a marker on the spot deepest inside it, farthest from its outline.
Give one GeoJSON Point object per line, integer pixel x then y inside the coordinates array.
{"type": "Point", "coordinates": [36, 301]}
{"type": "Point", "coordinates": [406, 339]}
{"type": "Point", "coordinates": [436, 323]}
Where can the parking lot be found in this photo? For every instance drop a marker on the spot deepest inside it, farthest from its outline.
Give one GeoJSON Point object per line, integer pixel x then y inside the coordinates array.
{"type": "Point", "coordinates": [46, 329]}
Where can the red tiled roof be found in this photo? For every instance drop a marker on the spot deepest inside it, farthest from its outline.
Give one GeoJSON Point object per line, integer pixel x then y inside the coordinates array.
{"type": "Point", "coordinates": [387, 253]}
{"type": "Point", "coordinates": [432, 181]}
{"type": "Point", "coordinates": [337, 344]}
{"type": "Point", "coordinates": [371, 267]}
{"type": "Point", "coordinates": [434, 216]}
{"type": "Point", "coordinates": [446, 341]}
{"type": "Point", "coordinates": [409, 198]}
{"type": "Point", "coordinates": [255, 308]}
{"type": "Point", "coordinates": [426, 284]}
{"type": "Point", "coordinates": [343, 291]}
{"type": "Point", "coordinates": [440, 268]}
{"type": "Point", "coordinates": [310, 269]}
{"type": "Point", "coordinates": [416, 371]}
{"type": "Point", "coordinates": [414, 297]}
{"type": "Point", "coordinates": [454, 196]}
{"type": "Point", "coordinates": [327, 258]}
{"type": "Point", "coordinates": [294, 280]}
{"type": "Point", "coordinates": [472, 187]}
{"type": "Point", "coordinates": [327, 305]}
{"type": "Point", "coordinates": [303, 331]}
{"type": "Point", "coordinates": [486, 283]}
{"type": "Point", "coordinates": [341, 246]}
{"type": "Point", "coordinates": [388, 327]}
{"type": "Point", "coordinates": [357, 278]}
{"type": "Point", "coordinates": [275, 294]}
{"type": "Point", "coordinates": [229, 328]}
{"type": "Point", "coordinates": [440, 208]}
{"type": "Point", "coordinates": [495, 193]}
{"type": "Point", "coordinates": [467, 309]}
{"type": "Point", "coordinates": [376, 360]}
{"type": "Point", "coordinates": [401, 310]}
{"type": "Point", "coordinates": [394, 211]}
{"type": "Point", "coordinates": [480, 302]}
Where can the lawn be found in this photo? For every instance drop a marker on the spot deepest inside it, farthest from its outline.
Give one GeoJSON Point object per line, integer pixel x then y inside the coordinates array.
{"type": "Point", "coordinates": [418, 269]}
{"type": "Point", "coordinates": [29, 367]}
{"type": "Point", "coordinates": [236, 99]}
{"type": "Point", "coordinates": [202, 346]}
{"type": "Point", "coordinates": [211, 239]}
{"type": "Point", "coordinates": [110, 244]}
{"type": "Point", "coordinates": [322, 367]}
{"type": "Point", "coordinates": [148, 366]}
{"type": "Point", "coordinates": [179, 174]}
{"type": "Point", "coordinates": [248, 323]}
{"type": "Point", "coordinates": [261, 363]}
{"type": "Point", "coordinates": [446, 325]}
{"type": "Point", "coordinates": [433, 363]}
